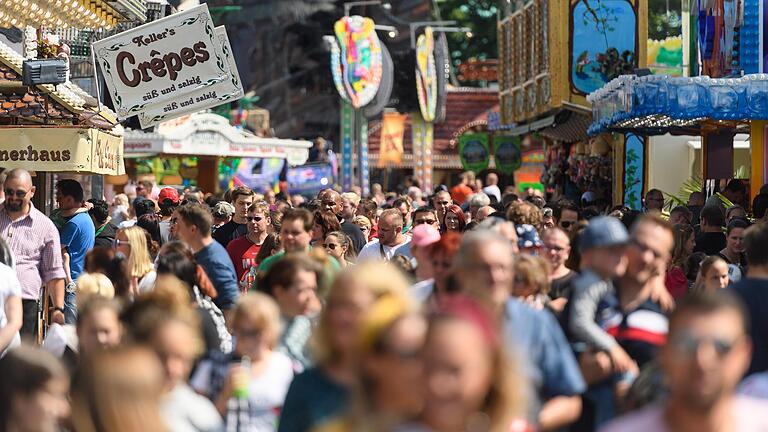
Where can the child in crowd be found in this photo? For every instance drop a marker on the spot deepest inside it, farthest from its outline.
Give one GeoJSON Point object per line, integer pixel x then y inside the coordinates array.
{"type": "Point", "coordinates": [531, 281]}
{"type": "Point", "coordinates": [249, 387]}
{"type": "Point", "coordinates": [713, 275]}
{"type": "Point", "coordinates": [602, 260]}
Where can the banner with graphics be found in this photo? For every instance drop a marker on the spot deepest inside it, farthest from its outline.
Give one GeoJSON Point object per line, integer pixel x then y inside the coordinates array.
{"type": "Point", "coordinates": [391, 148]}
{"type": "Point", "coordinates": [506, 152]}
{"type": "Point", "coordinates": [474, 152]}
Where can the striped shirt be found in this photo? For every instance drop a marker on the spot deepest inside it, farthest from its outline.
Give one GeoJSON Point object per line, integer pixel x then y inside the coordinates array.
{"type": "Point", "coordinates": [34, 240]}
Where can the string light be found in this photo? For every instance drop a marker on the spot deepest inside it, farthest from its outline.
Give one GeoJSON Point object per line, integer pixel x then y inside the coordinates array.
{"type": "Point", "coordinates": [92, 14]}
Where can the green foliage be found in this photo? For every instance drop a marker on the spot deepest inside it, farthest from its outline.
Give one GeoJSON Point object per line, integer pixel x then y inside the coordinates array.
{"type": "Point", "coordinates": [664, 18]}
{"type": "Point", "coordinates": [693, 184]}
{"type": "Point", "coordinates": [478, 15]}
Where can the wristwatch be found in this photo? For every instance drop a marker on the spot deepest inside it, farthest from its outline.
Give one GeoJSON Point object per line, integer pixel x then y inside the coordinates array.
{"type": "Point", "coordinates": [60, 309]}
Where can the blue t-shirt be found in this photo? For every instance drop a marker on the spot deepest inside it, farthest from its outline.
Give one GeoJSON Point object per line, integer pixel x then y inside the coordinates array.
{"type": "Point", "coordinates": [754, 293]}
{"type": "Point", "coordinates": [78, 235]}
{"type": "Point", "coordinates": [536, 336]}
{"type": "Point", "coordinates": [220, 270]}
{"type": "Point", "coordinates": [312, 399]}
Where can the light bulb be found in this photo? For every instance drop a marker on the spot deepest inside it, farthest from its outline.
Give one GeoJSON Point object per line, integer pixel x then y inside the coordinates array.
{"type": "Point", "coordinates": [469, 34]}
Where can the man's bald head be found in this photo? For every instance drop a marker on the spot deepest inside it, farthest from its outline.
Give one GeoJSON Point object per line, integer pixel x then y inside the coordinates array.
{"type": "Point", "coordinates": [21, 175]}
{"type": "Point", "coordinates": [330, 200]}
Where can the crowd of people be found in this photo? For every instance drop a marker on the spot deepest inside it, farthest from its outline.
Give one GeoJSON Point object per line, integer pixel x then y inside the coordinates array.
{"type": "Point", "coordinates": [471, 309]}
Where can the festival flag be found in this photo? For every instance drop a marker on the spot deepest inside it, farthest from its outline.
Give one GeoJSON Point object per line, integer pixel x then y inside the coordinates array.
{"type": "Point", "coordinates": [391, 148]}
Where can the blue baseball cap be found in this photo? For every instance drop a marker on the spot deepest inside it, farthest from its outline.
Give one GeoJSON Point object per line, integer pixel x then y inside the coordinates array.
{"type": "Point", "coordinates": [603, 231]}
{"type": "Point", "coordinates": [527, 237]}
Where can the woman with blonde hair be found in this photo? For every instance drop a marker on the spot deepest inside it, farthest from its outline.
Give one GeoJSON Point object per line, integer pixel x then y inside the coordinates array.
{"type": "Point", "coordinates": [469, 381]}
{"type": "Point", "coordinates": [132, 243]}
{"type": "Point", "coordinates": [118, 390]}
{"type": "Point", "coordinates": [94, 284]}
{"type": "Point", "coordinates": [322, 392]}
{"type": "Point", "coordinates": [390, 340]}
{"type": "Point", "coordinates": [364, 224]}
{"type": "Point", "coordinates": [164, 320]}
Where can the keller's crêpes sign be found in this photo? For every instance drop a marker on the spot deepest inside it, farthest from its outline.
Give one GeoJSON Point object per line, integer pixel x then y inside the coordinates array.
{"type": "Point", "coordinates": [169, 67]}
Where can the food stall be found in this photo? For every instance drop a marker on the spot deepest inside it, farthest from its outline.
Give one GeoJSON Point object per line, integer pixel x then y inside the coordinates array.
{"type": "Point", "coordinates": [210, 138]}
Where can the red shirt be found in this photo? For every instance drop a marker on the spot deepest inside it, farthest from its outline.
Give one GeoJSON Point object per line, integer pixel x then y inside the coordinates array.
{"type": "Point", "coordinates": [243, 253]}
{"type": "Point", "coordinates": [676, 282]}
{"type": "Point", "coordinates": [460, 193]}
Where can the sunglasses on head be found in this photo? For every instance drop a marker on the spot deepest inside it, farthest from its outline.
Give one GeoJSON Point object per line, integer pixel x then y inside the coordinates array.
{"type": "Point", "coordinates": [19, 193]}
{"type": "Point", "coordinates": [117, 243]}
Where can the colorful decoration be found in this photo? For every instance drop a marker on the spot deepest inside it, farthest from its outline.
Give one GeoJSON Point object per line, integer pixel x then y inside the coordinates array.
{"type": "Point", "coordinates": [531, 169]}
{"type": "Point", "coordinates": [417, 138]}
{"type": "Point", "coordinates": [426, 75]}
{"type": "Point", "coordinates": [362, 155]}
{"type": "Point", "coordinates": [358, 68]}
{"type": "Point", "coordinates": [665, 57]}
{"type": "Point", "coordinates": [346, 144]}
{"type": "Point", "coordinates": [506, 152]}
{"type": "Point", "coordinates": [603, 42]}
{"type": "Point", "coordinates": [474, 152]}
{"type": "Point", "coordinates": [429, 139]}
{"type": "Point", "coordinates": [634, 171]}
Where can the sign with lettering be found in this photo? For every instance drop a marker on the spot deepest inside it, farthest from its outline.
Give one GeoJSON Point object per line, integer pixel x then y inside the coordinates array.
{"type": "Point", "coordinates": [225, 91]}
{"type": "Point", "coordinates": [61, 150]}
{"type": "Point", "coordinates": [161, 61]}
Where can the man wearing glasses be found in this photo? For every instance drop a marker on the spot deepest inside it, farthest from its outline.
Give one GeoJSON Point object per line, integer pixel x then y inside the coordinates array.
{"type": "Point", "coordinates": [566, 214]}
{"type": "Point", "coordinates": [706, 353]}
{"type": "Point", "coordinates": [425, 216]}
{"type": "Point", "coordinates": [36, 248]}
{"type": "Point", "coordinates": [243, 250]}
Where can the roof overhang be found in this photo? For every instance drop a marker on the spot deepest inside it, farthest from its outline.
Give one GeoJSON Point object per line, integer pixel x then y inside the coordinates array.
{"type": "Point", "coordinates": [207, 134]}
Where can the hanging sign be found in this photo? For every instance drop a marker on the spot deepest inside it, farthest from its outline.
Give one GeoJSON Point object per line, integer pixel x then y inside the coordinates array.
{"type": "Point", "coordinates": [222, 92]}
{"type": "Point", "coordinates": [506, 152]}
{"type": "Point", "coordinates": [391, 148]}
{"type": "Point", "coordinates": [362, 156]}
{"type": "Point", "coordinates": [474, 152]}
{"type": "Point", "coordinates": [161, 61]}
{"type": "Point", "coordinates": [356, 60]}
{"type": "Point", "coordinates": [426, 75]}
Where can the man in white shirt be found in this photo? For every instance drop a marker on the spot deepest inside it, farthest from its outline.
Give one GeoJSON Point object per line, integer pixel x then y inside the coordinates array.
{"type": "Point", "coordinates": [391, 240]}
{"type": "Point", "coordinates": [492, 188]}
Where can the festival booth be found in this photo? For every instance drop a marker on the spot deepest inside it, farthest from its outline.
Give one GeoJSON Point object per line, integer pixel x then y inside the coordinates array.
{"type": "Point", "coordinates": [54, 129]}
{"type": "Point", "coordinates": [552, 54]}
{"type": "Point", "coordinates": [210, 138]}
{"type": "Point", "coordinates": [719, 116]}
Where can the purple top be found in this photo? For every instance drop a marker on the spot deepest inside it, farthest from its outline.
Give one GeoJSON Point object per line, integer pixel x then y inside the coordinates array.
{"type": "Point", "coordinates": [34, 240]}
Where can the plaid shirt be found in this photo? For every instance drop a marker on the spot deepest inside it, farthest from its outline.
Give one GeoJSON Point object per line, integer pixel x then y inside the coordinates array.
{"type": "Point", "coordinates": [34, 240]}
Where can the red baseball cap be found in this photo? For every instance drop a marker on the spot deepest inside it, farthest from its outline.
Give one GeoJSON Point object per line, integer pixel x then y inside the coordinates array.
{"type": "Point", "coordinates": [168, 193]}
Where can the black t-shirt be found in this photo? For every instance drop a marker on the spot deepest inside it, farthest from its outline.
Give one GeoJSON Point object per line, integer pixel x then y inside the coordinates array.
{"type": "Point", "coordinates": [754, 293]}
{"type": "Point", "coordinates": [561, 287]}
{"type": "Point", "coordinates": [229, 231]}
{"type": "Point", "coordinates": [355, 234]}
{"type": "Point", "coordinates": [711, 243]}
{"type": "Point", "coordinates": [107, 236]}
